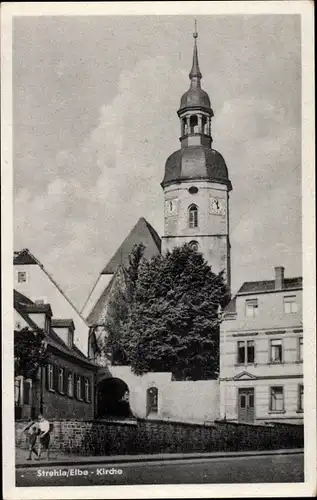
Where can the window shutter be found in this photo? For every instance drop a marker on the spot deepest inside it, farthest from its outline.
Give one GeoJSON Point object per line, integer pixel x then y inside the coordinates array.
{"type": "Point", "coordinates": [46, 376]}
{"type": "Point", "coordinates": [82, 387]}
{"type": "Point", "coordinates": [55, 377]}
{"type": "Point", "coordinates": [65, 381]}
{"type": "Point", "coordinates": [89, 390]}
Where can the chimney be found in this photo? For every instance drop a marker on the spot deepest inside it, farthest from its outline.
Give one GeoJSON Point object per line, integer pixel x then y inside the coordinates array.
{"type": "Point", "coordinates": [279, 278]}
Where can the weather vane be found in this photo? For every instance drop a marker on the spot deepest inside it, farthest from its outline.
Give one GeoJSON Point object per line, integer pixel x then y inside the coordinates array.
{"type": "Point", "coordinates": [195, 34]}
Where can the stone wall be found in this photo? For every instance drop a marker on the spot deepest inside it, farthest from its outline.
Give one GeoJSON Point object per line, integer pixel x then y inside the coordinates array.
{"type": "Point", "coordinates": [151, 436]}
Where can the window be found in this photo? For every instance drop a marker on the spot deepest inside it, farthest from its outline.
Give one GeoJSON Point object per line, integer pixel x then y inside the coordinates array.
{"type": "Point", "coordinates": [194, 245]}
{"type": "Point", "coordinates": [300, 349]}
{"type": "Point", "coordinates": [50, 377]}
{"type": "Point", "coordinates": [251, 308]}
{"type": "Point", "coordinates": [276, 351]}
{"type": "Point", "coordinates": [277, 399]}
{"type": "Point", "coordinates": [61, 374]}
{"type": "Point", "coordinates": [22, 277]}
{"type": "Point", "coordinates": [70, 385]}
{"type": "Point", "coordinates": [27, 392]}
{"type": "Point", "coordinates": [290, 304]}
{"type": "Point", "coordinates": [87, 390]}
{"type": "Point", "coordinates": [246, 351]}
{"type": "Point", "coordinates": [193, 124]}
{"type": "Point", "coordinates": [301, 397]}
{"type": "Point", "coordinates": [17, 391]}
{"type": "Point", "coordinates": [78, 387]}
{"type": "Point", "coordinates": [152, 399]}
{"type": "Point", "coordinates": [193, 216]}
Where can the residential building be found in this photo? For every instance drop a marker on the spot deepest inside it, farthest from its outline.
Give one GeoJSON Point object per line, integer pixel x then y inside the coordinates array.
{"type": "Point", "coordinates": [64, 387]}
{"type": "Point", "coordinates": [32, 279]}
{"type": "Point", "coordinates": [261, 352]}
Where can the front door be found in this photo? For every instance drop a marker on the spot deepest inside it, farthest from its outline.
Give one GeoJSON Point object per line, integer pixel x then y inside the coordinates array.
{"type": "Point", "coordinates": [246, 405]}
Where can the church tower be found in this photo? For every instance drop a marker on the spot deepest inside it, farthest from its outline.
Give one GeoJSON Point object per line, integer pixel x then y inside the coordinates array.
{"type": "Point", "coordinates": [196, 183]}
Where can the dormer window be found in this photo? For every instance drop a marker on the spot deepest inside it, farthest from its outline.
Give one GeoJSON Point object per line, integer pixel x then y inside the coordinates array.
{"type": "Point", "coordinates": [193, 216]}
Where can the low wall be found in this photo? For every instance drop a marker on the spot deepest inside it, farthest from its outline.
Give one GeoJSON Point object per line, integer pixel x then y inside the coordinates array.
{"type": "Point", "coordinates": [151, 436]}
{"type": "Point", "coordinates": [186, 401]}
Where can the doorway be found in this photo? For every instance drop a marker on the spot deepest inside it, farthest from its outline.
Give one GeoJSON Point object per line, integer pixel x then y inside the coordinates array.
{"type": "Point", "coordinates": [246, 405]}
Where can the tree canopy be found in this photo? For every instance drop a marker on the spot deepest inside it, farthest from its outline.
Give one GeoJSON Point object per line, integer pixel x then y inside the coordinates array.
{"type": "Point", "coordinates": [171, 320]}
{"type": "Point", "coordinates": [29, 352]}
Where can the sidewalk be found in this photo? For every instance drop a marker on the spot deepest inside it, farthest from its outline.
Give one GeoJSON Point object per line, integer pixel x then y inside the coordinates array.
{"type": "Point", "coordinates": [67, 460]}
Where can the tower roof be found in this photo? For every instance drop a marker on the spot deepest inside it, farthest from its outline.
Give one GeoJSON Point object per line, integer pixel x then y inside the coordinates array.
{"type": "Point", "coordinates": [196, 163]}
{"type": "Point", "coordinates": [195, 96]}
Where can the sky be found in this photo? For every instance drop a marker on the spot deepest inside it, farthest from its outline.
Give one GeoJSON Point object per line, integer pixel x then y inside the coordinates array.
{"type": "Point", "coordinates": [94, 120]}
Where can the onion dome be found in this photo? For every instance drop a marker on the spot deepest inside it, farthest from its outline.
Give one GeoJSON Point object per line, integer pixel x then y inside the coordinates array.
{"type": "Point", "coordinates": [195, 96]}
{"type": "Point", "coordinates": [196, 163]}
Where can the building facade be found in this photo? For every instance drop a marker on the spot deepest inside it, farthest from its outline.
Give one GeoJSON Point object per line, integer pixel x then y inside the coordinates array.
{"type": "Point", "coordinates": [261, 352]}
{"type": "Point", "coordinates": [196, 184]}
{"type": "Point", "coordinates": [64, 386]}
{"type": "Point", "coordinates": [32, 279]}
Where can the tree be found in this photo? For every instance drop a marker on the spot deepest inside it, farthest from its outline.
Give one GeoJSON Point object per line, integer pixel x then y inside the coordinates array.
{"type": "Point", "coordinates": [29, 352]}
{"type": "Point", "coordinates": [119, 308]}
{"type": "Point", "coordinates": [172, 322]}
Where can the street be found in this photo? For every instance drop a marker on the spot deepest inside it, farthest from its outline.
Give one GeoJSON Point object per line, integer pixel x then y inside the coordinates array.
{"type": "Point", "coordinates": [254, 469]}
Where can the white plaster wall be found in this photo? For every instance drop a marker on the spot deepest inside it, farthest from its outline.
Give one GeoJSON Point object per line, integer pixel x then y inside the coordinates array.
{"type": "Point", "coordinates": [291, 365]}
{"type": "Point", "coordinates": [39, 285]}
{"type": "Point", "coordinates": [212, 231]}
{"type": "Point", "coordinates": [182, 401]}
{"type": "Point", "coordinates": [270, 311]}
{"type": "Point", "coordinates": [229, 398]}
{"type": "Point", "coordinates": [191, 401]}
{"type": "Point", "coordinates": [100, 286]}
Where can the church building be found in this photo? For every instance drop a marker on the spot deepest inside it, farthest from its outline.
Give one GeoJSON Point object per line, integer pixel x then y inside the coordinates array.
{"type": "Point", "coordinates": [196, 189]}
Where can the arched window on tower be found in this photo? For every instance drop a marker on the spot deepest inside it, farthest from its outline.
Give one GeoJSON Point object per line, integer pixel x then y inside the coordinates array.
{"type": "Point", "coordinates": [193, 216]}
{"type": "Point", "coordinates": [205, 125]}
{"type": "Point", "coordinates": [184, 126]}
{"type": "Point", "coordinates": [193, 124]}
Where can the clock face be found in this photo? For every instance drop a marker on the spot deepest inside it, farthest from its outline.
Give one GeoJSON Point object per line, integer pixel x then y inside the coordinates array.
{"type": "Point", "coordinates": [171, 207]}
{"type": "Point", "coordinates": [217, 206]}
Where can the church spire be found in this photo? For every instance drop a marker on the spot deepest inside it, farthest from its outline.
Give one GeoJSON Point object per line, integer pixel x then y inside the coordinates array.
{"type": "Point", "coordinates": [195, 74]}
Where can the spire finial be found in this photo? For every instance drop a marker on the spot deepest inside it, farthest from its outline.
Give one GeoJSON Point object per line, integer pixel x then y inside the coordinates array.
{"type": "Point", "coordinates": [195, 34]}
{"type": "Point", "coordinates": [195, 71]}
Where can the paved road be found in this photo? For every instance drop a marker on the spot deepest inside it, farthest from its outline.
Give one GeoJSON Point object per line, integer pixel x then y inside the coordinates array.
{"type": "Point", "coordinates": [274, 468]}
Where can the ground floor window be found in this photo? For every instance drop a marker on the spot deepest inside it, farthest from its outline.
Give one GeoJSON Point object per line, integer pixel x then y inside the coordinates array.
{"type": "Point", "coordinates": [277, 399]}
{"type": "Point", "coordinates": [70, 385]}
{"type": "Point", "coordinates": [17, 391]}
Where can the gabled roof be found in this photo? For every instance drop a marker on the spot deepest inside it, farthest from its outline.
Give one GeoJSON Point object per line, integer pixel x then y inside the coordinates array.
{"type": "Point", "coordinates": [231, 307]}
{"type": "Point", "coordinates": [95, 317]}
{"type": "Point", "coordinates": [19, 298]}
{"type": "Point", "coordinates": [51, 337]}
{"type": "Point", "coordinates": [269, 285]}
{"type": "Point", "coordinates": [142, 232]}
{"type": "Point", "coordinates": [26, 257]}
{"type": "Point", "coordinates": [60, 323]}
